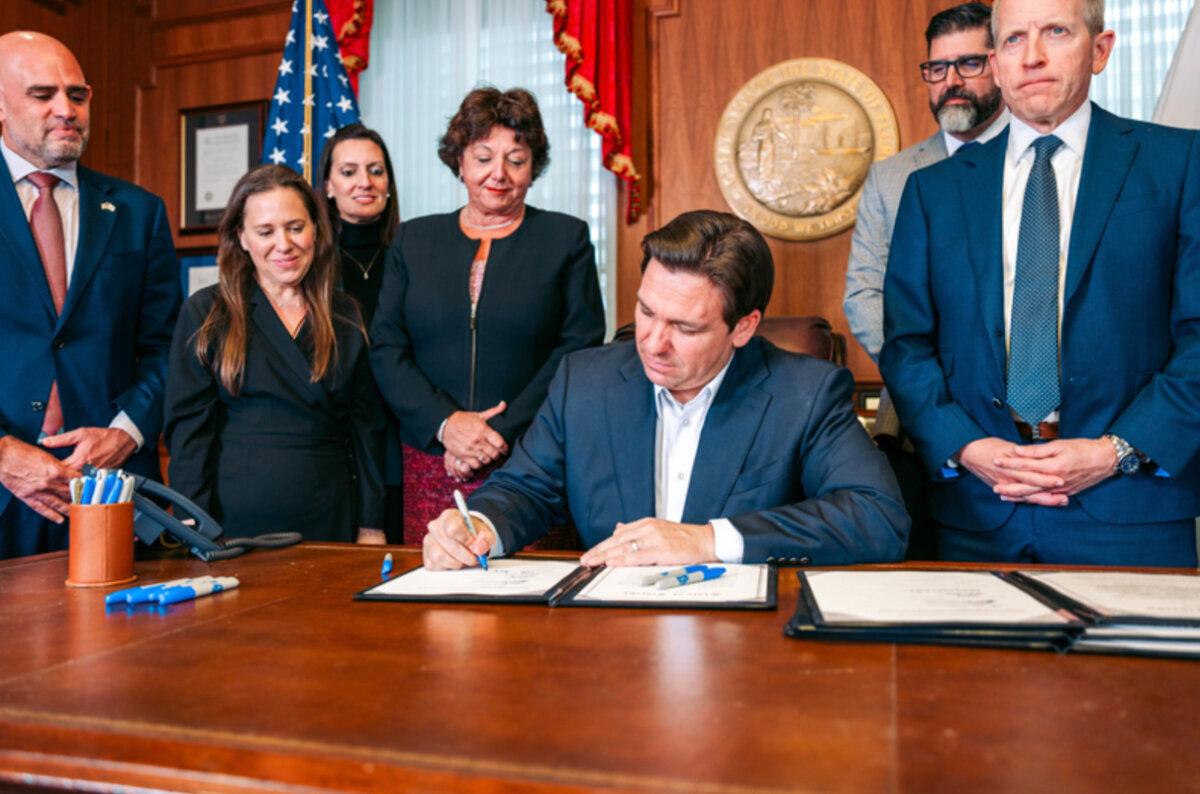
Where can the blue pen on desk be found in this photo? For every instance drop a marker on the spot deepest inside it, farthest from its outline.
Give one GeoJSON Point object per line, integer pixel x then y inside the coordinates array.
{"type": "Point", "coordinates": [654, 579]}
{"type": "Point", "coordinates": [146, 593]}
{"type": "Point", "coordinates": [387, 566]}
{"type": "Point", "coordinates": [466, 514]}
{"type": "Point", "coordinates": [217, 584]}
{"type": "Point", "coordinates": [689, 578]}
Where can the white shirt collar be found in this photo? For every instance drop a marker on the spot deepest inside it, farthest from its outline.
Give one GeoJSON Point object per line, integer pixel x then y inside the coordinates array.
{"type": "Point", "coordinates": [20, 168]}
{"type": "Point", "coordinates": [1072, 132]}
{"type": "Point", "coordinates": [704, 397]}
{"type": "Point", "coordinates": [995, 128]}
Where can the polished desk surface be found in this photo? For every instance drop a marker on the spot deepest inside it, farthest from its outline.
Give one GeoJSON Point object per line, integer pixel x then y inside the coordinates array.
{"type": "Point", "coordinates": [286, 684]}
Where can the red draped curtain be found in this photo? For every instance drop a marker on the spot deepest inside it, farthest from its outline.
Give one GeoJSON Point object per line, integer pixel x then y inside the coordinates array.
{"type": "Point", "coordinates": [596, 37]}
{"type": "Point", "coordinates": [351, 20]}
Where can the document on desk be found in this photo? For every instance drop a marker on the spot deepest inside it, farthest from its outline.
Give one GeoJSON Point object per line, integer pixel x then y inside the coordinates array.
{"type": "Point", "coordinates": [1126, 597]}
{"type": "Point", "coordinates": [523, 580]}
{"type": "Point", "coordinates": [892, 598]}
{"type": "Point", "coordinates": [505, 580]}
{"type": "Point", "coordinates": [743, 586]}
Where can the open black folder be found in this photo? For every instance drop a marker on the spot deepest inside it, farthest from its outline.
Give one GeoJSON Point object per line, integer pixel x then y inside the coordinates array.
{"type": "Point", "coordinates": [1098, 612]}
{"type": "Point", "coordinates": [552, 582]}
{"type": "Point", "coordinates": [981, 608]}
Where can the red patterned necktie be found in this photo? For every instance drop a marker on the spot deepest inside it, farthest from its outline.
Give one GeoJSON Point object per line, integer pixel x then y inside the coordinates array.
{"type": "Point", "coordinates": [46, 224]}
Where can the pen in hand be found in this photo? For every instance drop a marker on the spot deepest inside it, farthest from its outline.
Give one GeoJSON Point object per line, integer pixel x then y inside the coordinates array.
{"type": "Point", "coordinates": [462, 508]}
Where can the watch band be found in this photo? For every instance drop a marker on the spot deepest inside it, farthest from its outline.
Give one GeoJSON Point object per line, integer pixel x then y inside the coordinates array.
{"type": "Point", "coordinates": [1128, 460]}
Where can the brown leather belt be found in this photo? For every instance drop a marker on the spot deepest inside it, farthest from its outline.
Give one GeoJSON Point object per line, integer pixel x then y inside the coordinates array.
{"type": "Point", "coordinates": [1047, 431]}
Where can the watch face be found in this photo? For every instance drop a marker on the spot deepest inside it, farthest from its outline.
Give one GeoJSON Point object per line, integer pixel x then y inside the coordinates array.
{"type": "Point", "coordinates": [1130, 463]}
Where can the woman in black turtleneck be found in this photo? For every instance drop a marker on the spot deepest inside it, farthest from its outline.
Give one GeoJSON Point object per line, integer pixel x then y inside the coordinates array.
{"type": "Point", "coordinates": [356, 172]}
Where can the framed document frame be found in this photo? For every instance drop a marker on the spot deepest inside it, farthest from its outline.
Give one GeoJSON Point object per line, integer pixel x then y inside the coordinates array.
{"type": "Point", "coordinates": [218, 145]}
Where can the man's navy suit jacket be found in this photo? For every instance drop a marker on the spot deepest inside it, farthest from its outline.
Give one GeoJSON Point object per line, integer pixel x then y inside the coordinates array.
{"type": "Point", "coordinates": [1130, 341]}
{"type": "Point", "coordinates": [781, 455]}
{"type": "Point", "coordinates": [108, 349]}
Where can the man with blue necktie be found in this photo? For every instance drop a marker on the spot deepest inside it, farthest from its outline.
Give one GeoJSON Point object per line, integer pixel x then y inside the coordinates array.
{"type": "Point", "coordinates": [1042, 316]}
{"type": "Point", "coordinates": [91, 289]}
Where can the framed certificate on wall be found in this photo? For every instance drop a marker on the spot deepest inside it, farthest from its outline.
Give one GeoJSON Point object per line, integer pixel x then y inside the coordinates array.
{"type": "Point", "coordinates": [219, 145]}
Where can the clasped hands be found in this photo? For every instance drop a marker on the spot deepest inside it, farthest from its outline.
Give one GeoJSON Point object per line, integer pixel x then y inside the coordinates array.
{"type": "Point", "coordinates": [471, 443]}
{"type": "Point", "coordinates": [43, 482]}
{"type": "Point", "coordinates": [1045, 474]}
{"type": "Point", "coordinates": [647, 541]}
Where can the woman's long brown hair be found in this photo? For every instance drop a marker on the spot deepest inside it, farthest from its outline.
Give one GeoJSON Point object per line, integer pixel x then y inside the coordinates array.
{"type": "Point", "coordinates": [221, 340]}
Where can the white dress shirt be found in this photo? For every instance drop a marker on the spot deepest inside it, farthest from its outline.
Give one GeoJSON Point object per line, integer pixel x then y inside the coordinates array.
{"type": "Point", "coordinates": [676, 439]}
{"type": "Point", "coordinates": [66, 196]}
{"type": "Point", "coordinates": [995, 128]}
{"type": "Point", "coordinates": [1067, 162]}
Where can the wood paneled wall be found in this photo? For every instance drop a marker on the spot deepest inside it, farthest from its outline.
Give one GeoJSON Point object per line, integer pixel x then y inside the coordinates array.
{"type": "Point", "coordinates": [148, 59]}
{"type": "Point", "coordinates": [202, 53]}
{"type": "Point", "coordinates": [692, 58]}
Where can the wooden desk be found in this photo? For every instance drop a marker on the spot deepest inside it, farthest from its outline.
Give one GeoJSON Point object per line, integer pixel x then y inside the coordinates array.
{"type": "Point", "coordinates": [287, 684]}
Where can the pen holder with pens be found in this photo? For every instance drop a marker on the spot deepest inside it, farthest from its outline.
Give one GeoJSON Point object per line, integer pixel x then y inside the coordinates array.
{"type": "Point", "coordinates": [101, 550]}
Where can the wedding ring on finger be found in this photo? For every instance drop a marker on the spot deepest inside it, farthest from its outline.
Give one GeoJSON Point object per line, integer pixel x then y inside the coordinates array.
{"type": "Point", "coordinates": [633, 545]}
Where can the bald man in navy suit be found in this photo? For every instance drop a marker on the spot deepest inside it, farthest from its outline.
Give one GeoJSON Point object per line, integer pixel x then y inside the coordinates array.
{"type": "Point", "coordinates": [91, 289]}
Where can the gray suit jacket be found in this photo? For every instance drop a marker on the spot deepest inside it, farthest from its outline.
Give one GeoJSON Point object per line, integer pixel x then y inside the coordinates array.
{"type": "Point", "coordinates": [872, 238]}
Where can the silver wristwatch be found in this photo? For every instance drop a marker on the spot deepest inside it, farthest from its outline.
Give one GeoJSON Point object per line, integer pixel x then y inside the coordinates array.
{"type": "Point", "coordinates": [1128, 459]}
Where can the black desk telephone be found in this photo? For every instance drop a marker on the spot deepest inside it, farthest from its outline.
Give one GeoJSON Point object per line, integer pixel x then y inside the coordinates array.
{"type": "Point", "coordinates": [150, 521]}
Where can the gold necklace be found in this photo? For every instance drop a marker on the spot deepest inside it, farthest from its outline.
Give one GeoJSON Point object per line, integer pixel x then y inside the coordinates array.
{"type": "Point", "coordinates": [366, 270]}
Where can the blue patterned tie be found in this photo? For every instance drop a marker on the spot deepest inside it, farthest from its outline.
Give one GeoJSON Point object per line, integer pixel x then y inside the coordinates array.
{"type": "Point", "coordinates": [1033, 390]}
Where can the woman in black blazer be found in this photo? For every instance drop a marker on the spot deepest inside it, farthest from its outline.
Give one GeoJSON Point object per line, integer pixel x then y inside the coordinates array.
{"type": "Point", "coordinates": [272, 419]}
{"type": "Point", "coordinates": [478, 306]}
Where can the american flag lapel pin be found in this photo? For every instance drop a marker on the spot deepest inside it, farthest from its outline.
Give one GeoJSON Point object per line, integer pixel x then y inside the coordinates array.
{"type": "Point", "coordinates": [108, 206]}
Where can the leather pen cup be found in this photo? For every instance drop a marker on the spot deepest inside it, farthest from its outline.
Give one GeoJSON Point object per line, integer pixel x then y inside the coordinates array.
{"type": "Point", "coordinates": [101, 550]}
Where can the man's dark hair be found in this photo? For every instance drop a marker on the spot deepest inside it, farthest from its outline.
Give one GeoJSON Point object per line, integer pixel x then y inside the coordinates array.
{"type": "Point", "coordinates": [723, 248]}
{"type": "Point", "coordinates": [967, 16]}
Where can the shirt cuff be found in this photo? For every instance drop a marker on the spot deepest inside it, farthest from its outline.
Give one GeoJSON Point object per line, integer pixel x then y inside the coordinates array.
{"type": "Point", "coordinates": [728, 543]}
{"type": "Point", "coordinates": [122, 422]}
{"type": "Point", "coordinates": [441, 431]}
{"type": "Point", "coordinates": [497, 549]}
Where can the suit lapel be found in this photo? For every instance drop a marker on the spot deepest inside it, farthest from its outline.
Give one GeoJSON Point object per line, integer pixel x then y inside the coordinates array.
{"type": "Point", "coordinates": [980, 201]}
{"type": "Point", "coordinates": [932, 150]}
{"type": "Point", "coordinates": [95, 227]}
{"type": "Point", "coordinates": [14, 231]}
{"type": "Point", "coordinates": [729, 432]}
{"type": "Point", "coordinates": [269, 324]}
{"type": "Point", "coordinates": [1106, 161]}
{"type": "Point", "coordinates": [631, 428]}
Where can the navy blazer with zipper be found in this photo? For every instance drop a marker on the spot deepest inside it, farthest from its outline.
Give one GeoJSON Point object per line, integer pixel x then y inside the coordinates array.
{"type": "Point", "coordinates": [540, 300]}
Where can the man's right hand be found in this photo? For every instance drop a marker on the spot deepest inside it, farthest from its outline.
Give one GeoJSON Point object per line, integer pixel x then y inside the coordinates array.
{"type": "Point", "coordinates": [36, 477]}
{"type": "Point", "coordinates": [449, 545]}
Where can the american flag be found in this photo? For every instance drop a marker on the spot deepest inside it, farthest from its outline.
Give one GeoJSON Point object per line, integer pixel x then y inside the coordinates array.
{"type": "Point", "coordinates": [312, 92]}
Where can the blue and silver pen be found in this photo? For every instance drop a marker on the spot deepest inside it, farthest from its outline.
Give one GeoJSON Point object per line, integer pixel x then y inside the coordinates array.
{"type": "Point", "coordinates": [466, 514]}
{"type": "Point", "coordinates": [142, 594]}
{"type": "Point", "coordinates": [697, 576]}
{"type": "Point", "coordinates": [387, 566]}
{"type": "Point", "coordinates": [217, 584]}
{"type": "Point", "coordinates": [654, 579]}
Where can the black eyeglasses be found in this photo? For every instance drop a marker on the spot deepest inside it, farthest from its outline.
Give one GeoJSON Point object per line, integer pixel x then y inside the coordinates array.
{"type": "Point", "coordinates": [966, 66]}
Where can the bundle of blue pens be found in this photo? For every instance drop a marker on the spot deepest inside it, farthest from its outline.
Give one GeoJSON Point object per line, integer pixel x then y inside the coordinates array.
{"type": "Point", "coordinates": [171, 592]}
{"type": "Point", "coordinates": [688, 574]}
{"type": "Point", "coordinates": [105, 487]}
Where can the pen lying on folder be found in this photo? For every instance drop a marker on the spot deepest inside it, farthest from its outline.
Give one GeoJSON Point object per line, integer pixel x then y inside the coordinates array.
{"type": "Point", "coordinates": [689, 578]}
